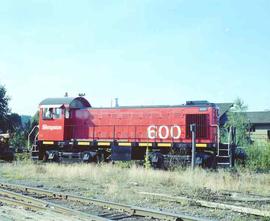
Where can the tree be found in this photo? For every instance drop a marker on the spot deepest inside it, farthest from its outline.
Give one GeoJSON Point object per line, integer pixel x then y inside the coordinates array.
{"type": "Point", "coordinates": [18, 140]}
{"type": "Point", "coordinates": [14, 122]}
{"type": "Point", "coordinates": [35, 119]}
{"type": "Point", "coordinates": [237, 118]}
{"type": "Point", "coordinates": [30, 125]}
{"type": "Point", "coordinates": [4, 110]}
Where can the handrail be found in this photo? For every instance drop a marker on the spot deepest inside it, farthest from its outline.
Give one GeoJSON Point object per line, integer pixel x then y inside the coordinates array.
{"type": "Point", "coordinates": [229, 140]}
{"type": "Point", "coordinates": [218, 136]}
{"type": "Point", "coordinates": [28, 139]}
{"type": "Point", "coordinates": [35, 140]}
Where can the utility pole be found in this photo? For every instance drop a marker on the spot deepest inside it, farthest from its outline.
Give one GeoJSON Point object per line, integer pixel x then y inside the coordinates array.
{"type": "Point", "coordinates": [193, 153]}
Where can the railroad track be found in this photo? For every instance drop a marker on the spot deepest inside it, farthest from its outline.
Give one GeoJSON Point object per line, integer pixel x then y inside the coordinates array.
{"type": "Point", "coordinates": [31, 203]}
{"type": "Point", "coordinates": [93, 209]}
{"type": "Point", "coordinates": [245, 197]}
{"type": "Point", "coordinates": [216, 205]}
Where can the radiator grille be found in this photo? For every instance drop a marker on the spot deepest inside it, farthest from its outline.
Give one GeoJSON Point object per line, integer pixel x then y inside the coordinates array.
{"type": "Point", "coordinates": [202, 125]}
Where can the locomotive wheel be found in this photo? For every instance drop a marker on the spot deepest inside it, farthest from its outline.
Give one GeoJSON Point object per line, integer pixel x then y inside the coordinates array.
{"type": "Point", "coordinates": [87, 157]}
{"type": "Point", "coordinates": [156, 160]}
{"type": "Point", "coordinates": [100, 157]}
{"type": "Point", "coordinates": [55, 157]}
{"type": "Point", "coordinates": [51, 156]}
{"type": "Point", "coordinates": [45, 157]}
{"type": "Point", "coordinates": [210, 161]}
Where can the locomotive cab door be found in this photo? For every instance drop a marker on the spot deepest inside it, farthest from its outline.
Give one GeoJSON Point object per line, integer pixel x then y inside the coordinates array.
{"type": "Point", "coordinates": [52, 123]}
{"type": "Point", "coordinates": [68, 123]}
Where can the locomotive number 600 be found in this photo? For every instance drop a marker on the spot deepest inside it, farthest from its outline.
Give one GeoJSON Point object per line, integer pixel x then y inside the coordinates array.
{"type": "Point", "coordinates": [164, 132]}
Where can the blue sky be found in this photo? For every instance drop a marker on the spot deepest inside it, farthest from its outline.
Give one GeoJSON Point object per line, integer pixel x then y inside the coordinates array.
{"type": "Point", "coordinates": [143, 52]}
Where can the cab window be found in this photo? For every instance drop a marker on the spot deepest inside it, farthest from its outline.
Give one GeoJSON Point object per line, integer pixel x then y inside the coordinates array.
{"type": "Point", "coordinates": [67, 114]}
{"type": "Point", "coordinates": [57, 113]}
{"type": "Point", "coordinates": [47, 113]}
{"type": "Point", "coordinates": [51, 113]}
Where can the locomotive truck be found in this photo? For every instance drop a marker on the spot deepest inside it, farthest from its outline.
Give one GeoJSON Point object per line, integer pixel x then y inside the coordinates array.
{"type": "Point", "coordinates": [70, 128]}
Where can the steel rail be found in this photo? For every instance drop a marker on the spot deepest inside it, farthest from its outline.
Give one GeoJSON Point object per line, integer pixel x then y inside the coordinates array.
{"type": "Point", "coordinates": [132, 210]}
{"type": "Point", "coordinates": [21, 203]}
{"type": "Point", "coordinates": [18, 199]}
{"type": "Point", "coordinates": [210, 204]}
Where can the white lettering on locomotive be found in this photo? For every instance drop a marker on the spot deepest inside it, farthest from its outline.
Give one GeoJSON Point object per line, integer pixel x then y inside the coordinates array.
{"type": "Point", "coordinates": [164, 132]}
{"type": "Point", "coordinates": [47, 127]}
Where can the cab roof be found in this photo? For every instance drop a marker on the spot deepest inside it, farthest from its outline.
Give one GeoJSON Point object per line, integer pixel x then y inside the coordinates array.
{"type": "Point", "coordinates": [71, 102]}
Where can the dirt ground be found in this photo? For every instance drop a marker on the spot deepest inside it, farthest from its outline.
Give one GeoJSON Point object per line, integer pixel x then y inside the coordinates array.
{"type": "Point", "coordinates": [10, 213]}
{"type": "Point", "coordinates": [123, 185]}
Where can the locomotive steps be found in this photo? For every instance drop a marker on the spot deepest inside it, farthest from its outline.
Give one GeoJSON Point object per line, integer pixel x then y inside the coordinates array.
{"type": "Point", "coordinates": [223, 159]}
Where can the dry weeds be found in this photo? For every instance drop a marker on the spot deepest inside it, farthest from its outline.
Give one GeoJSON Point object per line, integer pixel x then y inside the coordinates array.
{"type": "Point", "coordinates": [115, 179]}
{"type": "Point", "coordinates": [115, 183]}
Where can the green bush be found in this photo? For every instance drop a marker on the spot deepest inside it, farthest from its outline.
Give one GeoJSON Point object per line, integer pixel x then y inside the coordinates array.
{"type": "Point", "coordinates": [18, 140]}
{"type": "Point", "coordinates": [147, 163]}
{"type": "Point", "coordinates": [124, 164]}
{"type": "Point", "coordinates": [258, 156]}
{"type": "Point", "coordinates": [23, 157]}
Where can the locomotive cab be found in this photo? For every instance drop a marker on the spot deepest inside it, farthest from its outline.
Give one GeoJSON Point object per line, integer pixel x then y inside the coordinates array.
{"type": "Point", "coordinates": [55, 117]}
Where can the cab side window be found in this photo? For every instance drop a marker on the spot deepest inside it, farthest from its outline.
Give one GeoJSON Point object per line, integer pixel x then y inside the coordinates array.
{"type": "Point", "coordinates": [57, 113]}
{"type": "Point", "coordinates": [51, 113]}
{"type": "Point", "coordinates": [47, 113]}
{"type": "Point", "coordinates": [67, 114]}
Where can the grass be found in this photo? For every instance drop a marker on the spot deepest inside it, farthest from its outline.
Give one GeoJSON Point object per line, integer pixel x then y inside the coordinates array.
{"type": "Point", "coordinates": [112, 180]}
{"type": "Point", "coordinates": [121, 184]}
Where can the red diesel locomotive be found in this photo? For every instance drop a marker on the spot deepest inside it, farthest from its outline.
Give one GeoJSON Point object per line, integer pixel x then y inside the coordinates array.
{"type": "Point", "coordinates": [70, 128]}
